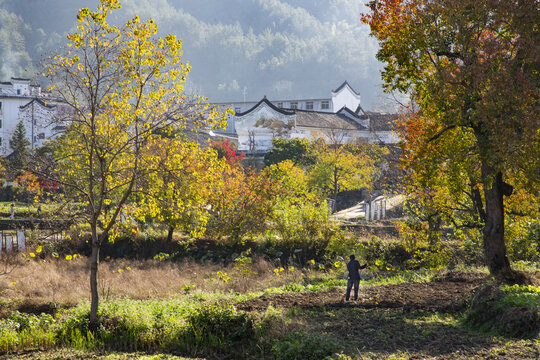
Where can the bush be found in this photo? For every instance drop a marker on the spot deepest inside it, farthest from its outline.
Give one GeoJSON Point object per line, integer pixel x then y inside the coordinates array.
{"type": "Point", "coordinates": [216, 329]}
{"type": "Point", "coordinates": [471, 251]}
{"type": "Point", "coordinates": [385, 253]}
{"type": "Point", "coordinates": [391, 254]}
{"type": "Point", "coordinates": [344, 244]}
{"type": "Point", "coordinates": [245, 202]}
{"type": "Point", "coordinates": [523, 241]}
{"type": "Point", "coordinates": [20, 331]}
{"type": "Point", "coordinates": [509, 311]}
{"type": "Point", "coordinates": [302, 231]}
{"type": "Point", "coordinates": [114, 331]}
{"type": "Point", "coordinates": [303, 345]}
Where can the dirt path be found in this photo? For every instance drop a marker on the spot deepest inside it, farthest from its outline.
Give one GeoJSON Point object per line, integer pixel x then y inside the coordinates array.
{"type": "Point", "coordinates": [394, 321]}
{"type": "Point", "coordinates": [442, 295]}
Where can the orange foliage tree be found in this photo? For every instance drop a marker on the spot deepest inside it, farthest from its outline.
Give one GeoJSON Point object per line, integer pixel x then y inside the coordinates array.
{"type": "Point", "coordinates": [472, 69]}
{"type": "Point", "coordinates": [244, 204]}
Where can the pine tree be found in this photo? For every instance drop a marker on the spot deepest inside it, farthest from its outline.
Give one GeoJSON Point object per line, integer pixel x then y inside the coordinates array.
{"type": "Point", "coordinates": [19, 144]}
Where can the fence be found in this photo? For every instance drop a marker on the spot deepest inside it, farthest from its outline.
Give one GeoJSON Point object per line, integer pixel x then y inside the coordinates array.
{"type": "Point", "coordinates": [12, 241]}
{"type": "Point", "coordinates": [375, 209]}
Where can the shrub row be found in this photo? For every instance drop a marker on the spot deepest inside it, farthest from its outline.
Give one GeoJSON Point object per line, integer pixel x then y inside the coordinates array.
{"type": "Point", "coordinates": [174, 327]}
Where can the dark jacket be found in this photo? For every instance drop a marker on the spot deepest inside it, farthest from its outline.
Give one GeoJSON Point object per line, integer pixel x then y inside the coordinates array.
{"type": "Point", "coordinates": [354, 268]}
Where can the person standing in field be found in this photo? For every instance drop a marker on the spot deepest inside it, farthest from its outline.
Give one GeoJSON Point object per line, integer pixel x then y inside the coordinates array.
{"type": "Point", "coordinates": [354, 268]}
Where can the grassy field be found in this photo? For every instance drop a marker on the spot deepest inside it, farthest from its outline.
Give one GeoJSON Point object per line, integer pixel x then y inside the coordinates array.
{"type": "Point", "coordinates": [157, 309]}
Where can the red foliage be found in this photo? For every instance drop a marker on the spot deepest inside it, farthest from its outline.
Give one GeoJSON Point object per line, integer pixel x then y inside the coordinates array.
{"type": "Point", "coordinates": [227, 149]}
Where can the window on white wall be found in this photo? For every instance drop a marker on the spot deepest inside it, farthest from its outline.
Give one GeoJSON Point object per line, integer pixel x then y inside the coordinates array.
{"type": "Point", "coordinates": [294, 105]}
{"type": "Point", "coordinates": [325, 105]}
{"type": "Point", "coordinates": [309, 105]}
{"type": "Point", "coordinates": [280, 105]}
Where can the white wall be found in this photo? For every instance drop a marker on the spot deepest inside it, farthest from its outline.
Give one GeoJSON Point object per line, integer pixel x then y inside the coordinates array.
{"type": "Point", "coordinates": [262, 136]}
{"type": "Point", "coordinates": [388, 137]}
{"type": "Point", "coordinates": [345, 97]}
{"type": "Point", "coordinates": [12, 114]}
{"type": "Point", "coordinates": [10, 119]}
{"type": "Point", "coordinates": [41, 129]}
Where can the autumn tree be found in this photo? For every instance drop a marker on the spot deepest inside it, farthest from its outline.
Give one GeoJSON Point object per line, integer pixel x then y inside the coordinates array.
{"type": "Point", "coordinates": [297, 150]}
{"type": "Point", "coordinates": [178, 192]}
{"type": "Point", "coordinates": [125, 88]}
{"type": "Point", "coordinates": [472, 68]}
{"type": "Point", "coordinates": [339, 167]}
{"type": "Point", "coordinates": [227, 150]}
{"type": "Point", "coordinates": [244, 203]}
{"type": "Point", "coordinates": [290, 181]}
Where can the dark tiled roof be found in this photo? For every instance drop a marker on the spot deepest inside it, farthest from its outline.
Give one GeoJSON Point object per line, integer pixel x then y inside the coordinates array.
{"type": "Point", "coordinates": [382, 122]}
{"type": "Point", "coordinates": [360, 111]}
{"type": "Point", "coordinates": [42, 103]}
{"type": "Point", "coordinates": [325, 120]}
{"type": "Point", "coordinates": [265, 100]}
{"type": "Point", "coordinates": [345, 83]}
{"type": "Point", "coordinates": [345, 109]}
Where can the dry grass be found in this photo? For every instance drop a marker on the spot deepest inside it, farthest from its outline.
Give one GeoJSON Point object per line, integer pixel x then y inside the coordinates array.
{"type": "Point", "coordinates": [67, 282]}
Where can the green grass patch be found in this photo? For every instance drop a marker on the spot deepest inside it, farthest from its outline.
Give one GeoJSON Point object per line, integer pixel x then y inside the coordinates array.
{"type": "Point", "coordinates": [204, 324]}
{"type": "Point", "coordinates": [20, 331]}
{"type": "Point", "coordinates": [512, 311]}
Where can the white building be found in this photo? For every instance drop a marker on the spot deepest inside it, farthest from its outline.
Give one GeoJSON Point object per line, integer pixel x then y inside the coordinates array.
{"type": "Point", "coordinates": [22, 101]}
{"type": "Point", "coordinates": [344, 95]}
{"type": "Point", "coordinates": [338, 119]}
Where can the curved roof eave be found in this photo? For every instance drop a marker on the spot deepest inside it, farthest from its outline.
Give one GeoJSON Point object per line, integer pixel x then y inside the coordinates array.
{"type": "Point", "coordinates": [42, 103]}
{"type": "Point", "coordinates": [272, 106]}
{"type": "Point", "coordinates": [340, 87]}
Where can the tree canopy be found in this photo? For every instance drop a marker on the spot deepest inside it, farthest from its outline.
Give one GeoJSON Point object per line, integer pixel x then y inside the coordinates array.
{"type": "Point", "coordinates": [472, 69]}
{"type": "Point", "coordinates": [125, 88]}
{"type": "Point", "coordinates": [297, 150]}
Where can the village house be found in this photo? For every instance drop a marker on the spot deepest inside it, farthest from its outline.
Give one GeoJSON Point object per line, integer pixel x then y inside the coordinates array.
{"type": "Point", "coordinates": [338, 119]}
{"type": "Point", "coordinates": [20, 100]}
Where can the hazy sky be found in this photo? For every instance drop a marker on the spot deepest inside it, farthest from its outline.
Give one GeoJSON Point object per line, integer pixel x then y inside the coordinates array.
{"type": "Point", "coordinates": [278, 48]}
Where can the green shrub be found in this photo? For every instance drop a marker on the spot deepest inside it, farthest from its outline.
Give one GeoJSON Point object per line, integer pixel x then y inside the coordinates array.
{"type": "Point", "coordinates": [123, 325]}
{"type": "Point", "coordinates": [471, 251]}
{"type": "Point", "coordinates": [269, 326]}
{"type": "Point", "coordinates": [270, 323]}
{"type": "Point", "coordinates": [20, 331]}
{"type": "Point", "coordinates": [523, 241]}
{"type": "Point", "coordinates": [303, 345]}
{"type": "Point", "coordinates": [429, 256]}
{"type": "Point", "coordinates": [385, 253]}
{"type": "Point", "coordinates": [217, 329]}
{"type": "Point", "coordinates": [343, 245]}
{"type": "Point", "coordinates": [302, 231]}
{"type": "Point", "coordinates": [394, 255]}
{"type": "Point", "coordinates": [509, 311]}
{"type": "Point", "coordinates": [112, 332]}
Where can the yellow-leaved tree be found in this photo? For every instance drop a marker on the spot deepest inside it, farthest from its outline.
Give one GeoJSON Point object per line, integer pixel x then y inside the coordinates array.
{"type": "Point", "coordinates": [124, 86]}
{"type": "Point", "coordinates": [177, 194]}
{"type": "Point", "coordinates": [340, 166]}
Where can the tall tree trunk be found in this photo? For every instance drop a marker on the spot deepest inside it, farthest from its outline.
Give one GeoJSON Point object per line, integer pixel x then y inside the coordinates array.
{"type": "Point", "coordinates": [94, 264]}
{"type": "Point", "coordinates": [494, 246]}
{"type": "Point", "coordinates": [335, 188]}
{"type": "Point", "coordinates": [170, 234]}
